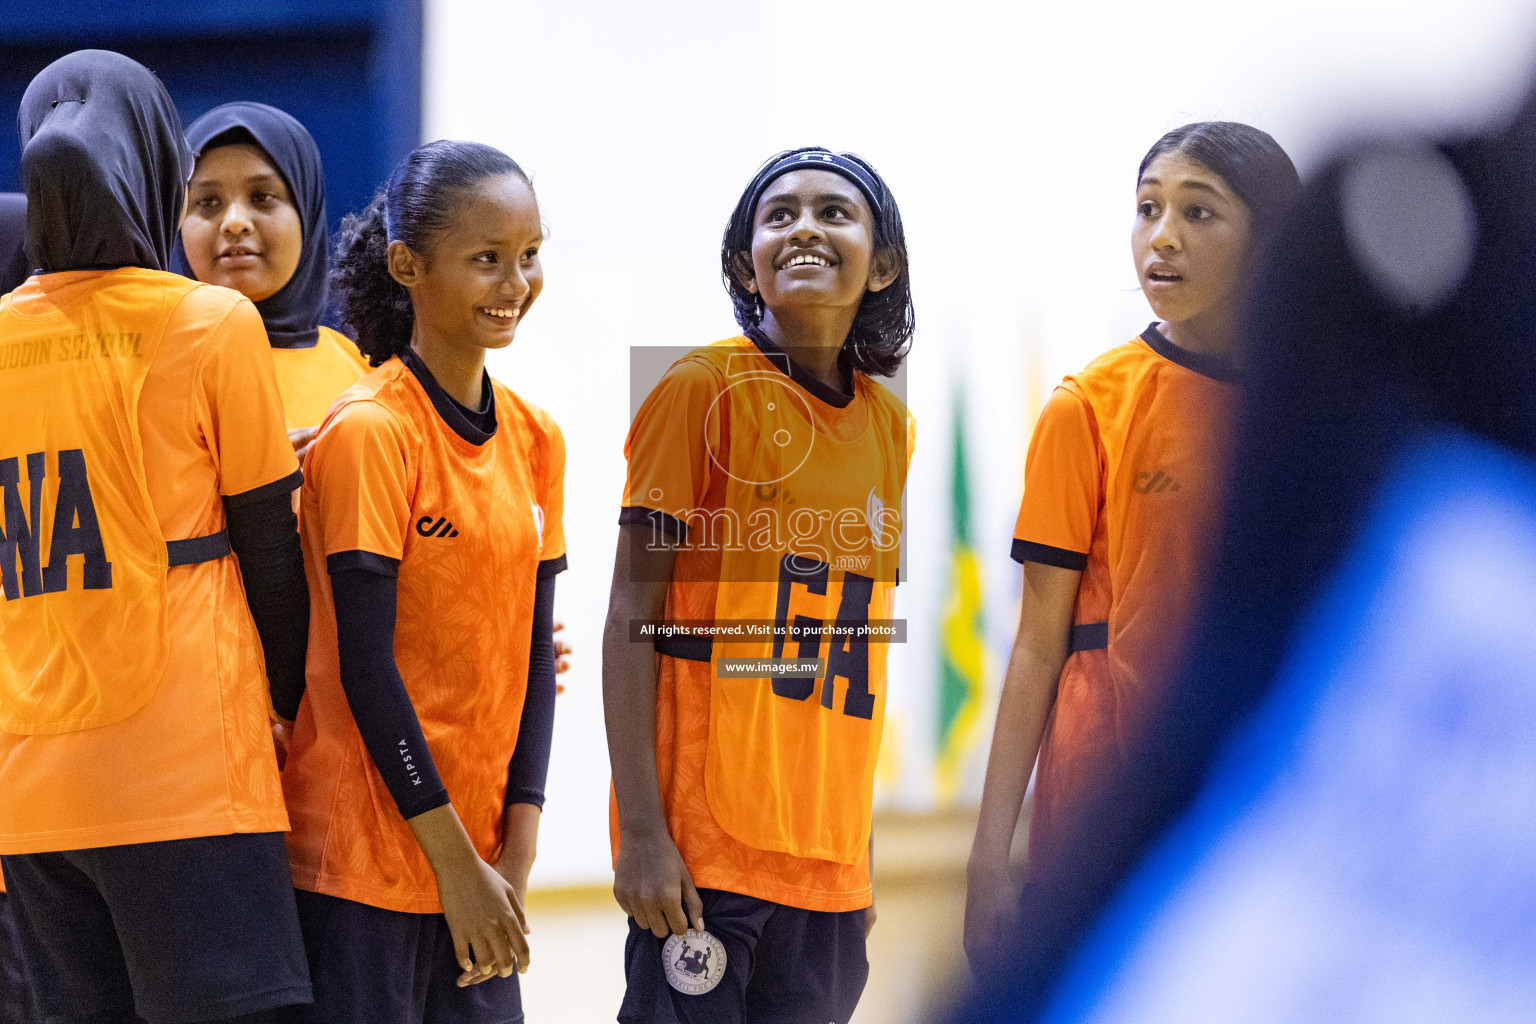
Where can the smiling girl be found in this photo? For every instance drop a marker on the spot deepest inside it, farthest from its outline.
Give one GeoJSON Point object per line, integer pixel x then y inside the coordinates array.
{"type": "Point", "coordinates": [764, 486]}
{"type": "Point", "coordinates": [256, 223]}
{"type": "Point", "coordinates": [1120, 501]}
{"type": "Point", "coordinates": [431, 522]}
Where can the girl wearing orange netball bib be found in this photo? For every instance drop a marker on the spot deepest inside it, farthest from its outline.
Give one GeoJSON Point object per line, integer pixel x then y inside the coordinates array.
{"type": "Point", "coordinates": [764, 490]}
{"type": "Point", "coordinates": [431, 522]}
{"type": "Point", "coordinates": [16, 1001]}
{"type": "Point", "coordinates": [1121, 494]}
{"type": "Point", "coordinates": [141, 444]}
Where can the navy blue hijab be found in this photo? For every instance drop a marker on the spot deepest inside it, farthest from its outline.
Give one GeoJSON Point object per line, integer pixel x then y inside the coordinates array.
{"type": "Point", "coordinates": [14, 265]}
{"type": "Point", "coordinates": [103, 163]}
{"type": "Point", "coordinates": [292, 314]}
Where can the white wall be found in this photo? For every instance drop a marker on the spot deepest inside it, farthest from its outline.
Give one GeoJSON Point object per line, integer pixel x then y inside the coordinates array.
{"type": "Point", "coordinates": [1009, 134]}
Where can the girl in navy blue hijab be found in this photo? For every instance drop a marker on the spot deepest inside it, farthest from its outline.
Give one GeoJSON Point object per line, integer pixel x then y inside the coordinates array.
{"type": "Point", "coordinates": [256, 223]}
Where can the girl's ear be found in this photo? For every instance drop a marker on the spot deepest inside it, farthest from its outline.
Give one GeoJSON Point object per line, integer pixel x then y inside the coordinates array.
{"type": "Point", "coordinates": [404, 265]}
{"type": "Point", "coordinates": [742, 268]}
{"type": "Point", "coordinates": [884, 269]}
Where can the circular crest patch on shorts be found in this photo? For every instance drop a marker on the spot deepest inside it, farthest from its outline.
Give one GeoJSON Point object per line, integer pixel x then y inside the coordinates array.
{"type": "Point", "coordinates": [694, 962]}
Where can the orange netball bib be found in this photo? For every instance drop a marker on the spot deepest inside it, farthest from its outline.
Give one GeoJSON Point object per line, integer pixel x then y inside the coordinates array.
{"type": "Point", "coordinates": [808, 551]}
{"type": "Point", "coordinates": [82, 560]}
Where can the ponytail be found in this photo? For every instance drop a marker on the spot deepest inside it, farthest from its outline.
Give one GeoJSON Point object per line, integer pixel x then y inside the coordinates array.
{"type": "Point", "coordinates": [376, 307]}
{"type": "Point", "coordinates": [415, 206]}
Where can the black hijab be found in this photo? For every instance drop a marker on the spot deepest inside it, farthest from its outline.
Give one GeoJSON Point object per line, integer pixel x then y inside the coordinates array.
{"type": "Point", "coordinates": [14, 265]}
{"type": "Point", "coordinates": [292, 314]}
{"type": "Point", "coordinates": [103, 163]}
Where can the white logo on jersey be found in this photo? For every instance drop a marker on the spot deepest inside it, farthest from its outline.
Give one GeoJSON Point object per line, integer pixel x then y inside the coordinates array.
{"type": "Point", "coordinates": [694, 962]}
{"type": "Point", "coordinates": [538, 522]}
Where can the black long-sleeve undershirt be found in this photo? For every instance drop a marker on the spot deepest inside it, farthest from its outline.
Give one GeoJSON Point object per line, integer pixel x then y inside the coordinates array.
{"type": "Point", "coordinates": [264, 535]}
{"type": "Point", "coordinates": [365, 601]}
{"type": "Point", "coordinates": [365, 639]}
{"type": "Point", "coordinates": [530, 761]}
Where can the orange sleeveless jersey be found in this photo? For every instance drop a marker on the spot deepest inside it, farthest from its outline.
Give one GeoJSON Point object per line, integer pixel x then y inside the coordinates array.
{"type": "Point", "coordinates": [310, 379]}
{"type": "Point", "coordinates": [469, 526]}
{"type": "Point", "coordinates": [767, 783]}
{"type": "Point", "coordinates": [1122, 481]}
{"type": "Point", "coordinates": [196, 758]}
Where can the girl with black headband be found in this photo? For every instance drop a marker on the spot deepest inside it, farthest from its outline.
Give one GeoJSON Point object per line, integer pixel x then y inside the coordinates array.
{"type": "Point", "coordinates": [1121, 495]}
{"type": "Point", "coordinates": [141, 443]}
{"type": "Point", "coordinates": [762, 510]}
{"type": "Point", "coordinates": [256, 223]}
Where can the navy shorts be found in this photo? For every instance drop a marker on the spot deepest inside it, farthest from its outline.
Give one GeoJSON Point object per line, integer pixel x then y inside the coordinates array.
{"type": "Point", "coordinates": [16, 1003]}
{"type": "Point", "coordinates": [375, 966]}
{"type": "Point", "coordinates": [181, 931]}
{"type": "Point", "coordinates": [781, 965]}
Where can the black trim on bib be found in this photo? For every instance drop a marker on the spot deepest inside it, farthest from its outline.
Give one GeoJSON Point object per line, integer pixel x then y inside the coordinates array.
{"type": "Point", "coordinates": [1045, 554]}
{"type": "Point", "coordinates": [382, 565]}
{"type": "Point", "coordinates": [551, 567]}
{"type": "Point", "coordinates": [669, 525]}
{"type": "Point", "coordinates": [797, 373]}
{"type": "Point", "coordinates": [1089, 636]}
{"type": "Point", "coordinates": [193, 550]}
{"type": "Point", "coordinates": [686, 648]}
{"type": "Point", "coordinates": [286, 485]}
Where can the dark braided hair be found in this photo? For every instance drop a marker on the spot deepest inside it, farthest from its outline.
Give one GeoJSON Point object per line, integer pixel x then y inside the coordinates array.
{"type": "Point", "coordinates": [1250, 161]}
{"type": "Point", "coordinates": [882, 329]}
{"type": "Point", "coordinates": [416, 204]}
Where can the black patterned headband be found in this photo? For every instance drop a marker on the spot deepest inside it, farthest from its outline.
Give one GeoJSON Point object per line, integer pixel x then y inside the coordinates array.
{"type": "Point", "coordinates": [820, 160]}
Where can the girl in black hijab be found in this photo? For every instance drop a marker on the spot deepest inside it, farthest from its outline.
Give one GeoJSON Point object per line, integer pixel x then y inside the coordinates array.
{"type": "Point", "coordinates": [141, 815]}
{"type": "Point", "coordinates": [256, 223]}
{"type": "Point", "coordinates": [103, 165]}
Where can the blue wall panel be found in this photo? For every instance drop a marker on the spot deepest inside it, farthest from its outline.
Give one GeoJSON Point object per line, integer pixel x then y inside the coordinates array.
{"type": "Point", "coordinates": [350, 70]}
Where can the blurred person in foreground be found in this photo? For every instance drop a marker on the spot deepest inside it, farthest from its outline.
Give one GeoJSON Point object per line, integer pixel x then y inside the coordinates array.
{"type": "Point", "coordinates": [1331, 817]}
{"type": "Point", "coordinates": [1121, 497]}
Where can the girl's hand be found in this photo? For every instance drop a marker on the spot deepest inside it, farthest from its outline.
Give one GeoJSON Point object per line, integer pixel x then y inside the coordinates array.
{"type": "Point", "coordinates": [519, 844]}
{"type": "Point", "coordinates": [653, 886]}
{"type": "Point", "coordinates": [562, 658]}
{"type": "Point", "coordinates": [991, 900]}
{"type": "Point", "coordinates": [485, 918]}
{"type": "Point", "coordinates": [301, 438]}
{"type": "Point", "coordinates": [484, 915]}
{"type": "Point", "coordinates": [282, 734]}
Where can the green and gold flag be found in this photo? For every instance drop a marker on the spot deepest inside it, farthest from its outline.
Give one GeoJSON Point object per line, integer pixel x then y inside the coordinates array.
{"type": "Point", "coordinates": [962, 643]}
